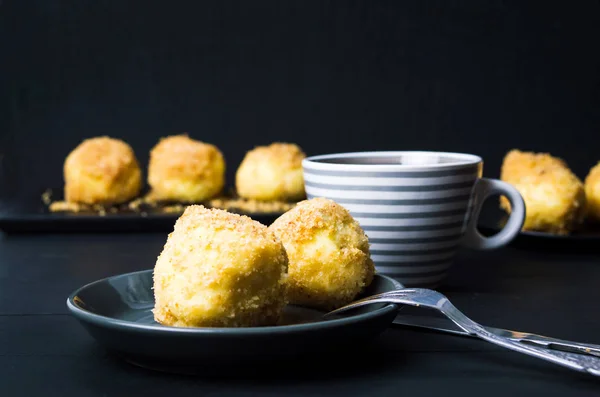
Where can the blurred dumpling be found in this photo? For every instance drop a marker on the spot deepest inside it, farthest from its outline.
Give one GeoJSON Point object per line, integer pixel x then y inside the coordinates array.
{"type": "Point", "coordinates": [102, 170]}
{"type": "Point", "coordinates": [184, 169]}
{"type": "Point", "coordinates": [554, 197]}
{"type": "Point", "coordinates": [272, 172]}
{"type": "Point", "coordinates": [592, 192]}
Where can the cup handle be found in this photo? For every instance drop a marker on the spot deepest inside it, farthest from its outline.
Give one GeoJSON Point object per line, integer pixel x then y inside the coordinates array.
{"type": "Point", "coordinates": [484, 188]}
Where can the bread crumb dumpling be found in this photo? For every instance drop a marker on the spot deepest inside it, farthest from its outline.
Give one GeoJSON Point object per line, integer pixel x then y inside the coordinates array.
{"type": "Point", "coordinates": [219, 269]}
{"type": "Point", "coordinates": [328, 252]}
{"type": "Point", "coordinates": [102, 170]}
{"type": "Point", "coordinates": [554, 197]}
{"type": "Point", "coordinates": [271, 173]}
{"type": "Point", "coordinates": [592, 192]}
{"type": "Point", "coordinates": [184, 169]}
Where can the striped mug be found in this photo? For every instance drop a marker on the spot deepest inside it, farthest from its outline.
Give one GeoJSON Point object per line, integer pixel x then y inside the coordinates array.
{"type": "Point", "coordinates": [417, 208]}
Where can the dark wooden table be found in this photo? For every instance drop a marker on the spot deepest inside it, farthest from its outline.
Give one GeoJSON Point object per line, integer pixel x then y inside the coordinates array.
{"type": "Point", "coordinates": [43, 350]}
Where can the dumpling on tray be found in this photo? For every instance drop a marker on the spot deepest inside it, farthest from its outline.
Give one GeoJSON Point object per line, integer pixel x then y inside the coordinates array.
{"type": "Point", "coordinates": [592, 193]}
{"type": "Point", "coordinates": [102, 171]}
{"type": "Point", "coordinates": [186, 170]}
{"type": "Point", "coordinates": [271, 173]}
{"type": "Point", "coordinates": [554, 197]}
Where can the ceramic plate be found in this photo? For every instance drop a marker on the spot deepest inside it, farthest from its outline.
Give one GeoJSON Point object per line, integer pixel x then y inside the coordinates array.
{"type": "Point", "coordinates": [588, 233]}
{"type": "Point", "coordinates": [493, 220]}
{"type": "Point", "coordinates": [116, 311]}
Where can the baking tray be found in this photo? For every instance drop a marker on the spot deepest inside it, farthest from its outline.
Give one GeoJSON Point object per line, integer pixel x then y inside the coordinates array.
{"type": "Point", "coordinates": [34, 216]}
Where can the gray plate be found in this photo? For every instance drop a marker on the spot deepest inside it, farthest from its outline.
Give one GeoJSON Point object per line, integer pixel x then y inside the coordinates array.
{"type": "Point", "coordinates": [585, 239]}
{"type": "Point", "coordinates": [116, 311]}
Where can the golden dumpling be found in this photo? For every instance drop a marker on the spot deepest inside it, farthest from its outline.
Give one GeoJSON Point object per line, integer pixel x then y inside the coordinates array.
{"type": "Point", "coordinates": [219, 269]}
{"type": "Point", "coordinates": [271, 173]}
{"type": "Point", "coordinates": [592, 193]}
{"type": "Point", "coordinates": [102, 170]}
{"type": "Point", "coordinates": [184, 169]}
{"type": "Point", "coordinates": [328, 253]}
{"type": "Point", "coordinates": [554, 196]}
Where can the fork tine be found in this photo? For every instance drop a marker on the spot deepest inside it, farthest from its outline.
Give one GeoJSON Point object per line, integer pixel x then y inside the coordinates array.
{"type": "Point", "coordinates": [385, 297]}
{"type": "Point", "coordinates": [357, 304]}
{"type": "Point", "coordinates": [377, 298]}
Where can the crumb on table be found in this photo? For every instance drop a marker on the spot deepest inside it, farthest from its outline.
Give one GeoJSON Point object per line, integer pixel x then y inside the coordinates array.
{"type": "Point", "coordinates": [251, 206]}
{"type": "Point", "coordinates": [47, 197]}
{"type": "Point", "coordinates": [146, 205]}
{"type": "Point", "coordinates": [65, 206]}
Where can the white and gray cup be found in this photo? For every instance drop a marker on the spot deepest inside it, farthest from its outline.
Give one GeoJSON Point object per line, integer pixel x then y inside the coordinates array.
{"type": "Point", "coordinates": [417, 208]}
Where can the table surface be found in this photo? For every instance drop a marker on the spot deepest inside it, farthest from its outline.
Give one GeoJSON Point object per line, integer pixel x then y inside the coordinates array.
{"type": "Point", "coordinates": [43, 349]}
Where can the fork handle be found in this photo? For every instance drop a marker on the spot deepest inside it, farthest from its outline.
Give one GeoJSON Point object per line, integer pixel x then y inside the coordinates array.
{"type": "Point", "coordinates": [582, 363]}
{"type": "Point", "coordinates": [553, 343]}
{"type": "Point", "coordinates": [578, 362]}
{"type": "Point", "coordinates": [439, 325]}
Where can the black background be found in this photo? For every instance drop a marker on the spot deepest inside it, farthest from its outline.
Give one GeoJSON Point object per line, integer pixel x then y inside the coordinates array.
{"type": "Point", "coordinates": [478, 76]}
{"type": "Point", "coordinates": [469, 76]}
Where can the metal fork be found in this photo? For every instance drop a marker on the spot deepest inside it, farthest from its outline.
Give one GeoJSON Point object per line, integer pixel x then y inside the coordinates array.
{"type": "Point", "coordinates": [434, 300]}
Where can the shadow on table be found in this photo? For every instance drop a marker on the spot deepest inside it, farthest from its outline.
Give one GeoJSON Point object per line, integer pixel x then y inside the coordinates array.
{"type": "Point", "coordinates": [332, 365]}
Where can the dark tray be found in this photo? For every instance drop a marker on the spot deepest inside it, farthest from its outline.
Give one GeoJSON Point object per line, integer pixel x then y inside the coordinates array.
{"type": "Point", "coordinates": [586, 239]}
{"type": "Point", "coordinates": [77, 223]}
{"type": "Point", "coordinates": [35, 217]}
